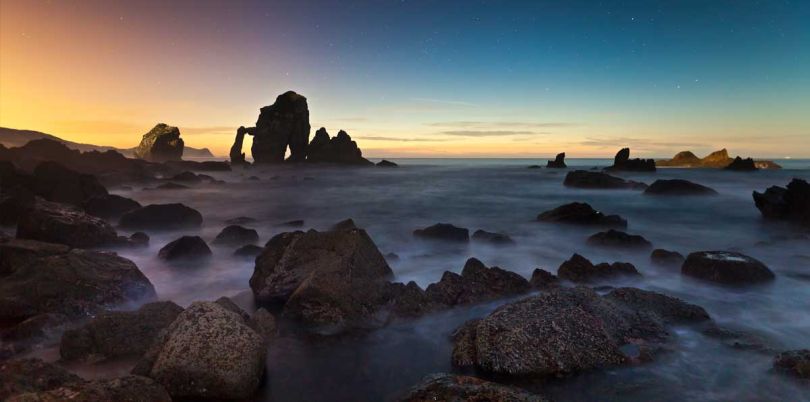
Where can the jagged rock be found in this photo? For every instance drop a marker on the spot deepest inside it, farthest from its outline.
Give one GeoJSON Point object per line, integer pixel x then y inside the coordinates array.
{"type": "Point", "coordinates": [161, 216]}
{"type": "Point", "coordinates": [579, 269]}
{"type": "Point", "coordinates": [678, 187]}
{"type": "Point", "coordinates": [681, 159]}
{"type": "Point", "coordinates": [622, 161]}
{"type": "Point", "coordinates": [208, 352]}
{"type": "Point", "coordinates": [558, 162]}
{"type": "Point", "coordinates": [409, 300]}
{"type": "Point", "coordinates": [663, 257]}
{"type": "Point", "coordinates": [543, 280]}
{"type": "Point", "coordinates": [162, 143]}
{"type": "Point", "coordinates": [581, 213]}
{"type": "Point", "coordinates": [492, 238]}
{"type": "Point", "coordinates": [459, 388]}
{"type": "Point", "coordinates": [795, 363]}
{"type": "Point", "coordinates": [726, 267]}
{"type": "Point", "coordinates": [565, 331]}
{"type": "Point", "coordinates": [791, 203]}
{"type": "Point", "coordinates": [445, 232]}
{"type": "Point", "coordinates": [236, 154]}
{"type": "Point", "coordinates": [742, 165]}
{"type": "Point", "coordinates": [109, 206]}
{"type": "Point", "coordinates": [599, 180]}
{"type": "Point", "coordinates": [618, 239]}
{"type": "Point", "coordinates": [282, 124]}
{"type": "Point", "coordinates": [250, 250]}
{"type": "Point", "coordinates": [32, 375]}
{"type": "Point", "coordinates": [118, 333]}
{"type": "Point", "coordinates": [330, 279]}
{"type": "Point", "coordinates": [339, 149]}
{"type": "Point", "coordinates": [476, 284]}
{"type": "Point", "coordinates": [186, 247]}
{"type": "Point", "coordinates": [717, 159]}
{"type": "Point", "coordinates": [131, 388]}
{"type": "Point", "coordinates": [344, 225]}
{"type": "Point", "coordinates": [235, 235]}
{"type": "Point", "coordinates": [58, 223]}
{"type": "Point", "coordinates": [57, 183]}
{"type": "Point", "coordinates": [386, 163]}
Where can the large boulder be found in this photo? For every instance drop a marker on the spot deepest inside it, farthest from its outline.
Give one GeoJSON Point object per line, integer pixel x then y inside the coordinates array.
{"type": "Point", "coordinates": [678, 187]}
{"type": "Point", "coordinates": [338, 149]}
{"type": "Point", "coordinates": [567, 330]}
{"type": "Point", "coordinates": [444, 232]}
{"type": "Point", "coordinates": [283, 124]}
{"type": "Point", "coordinates": [790, 203]}
{"type": "Point", "coordinates": [459, 388]}
{"type": "Point", "coordinates": [477, 283]}
{"type": "Point", "coordinates": [109, 206]}
{"type": "Point", "coordinates": [59, 223]}
{"type": "Point", "coordinates": [131, 388]}
{"type": "Point", "coordinates": [726, 267]}
{"type": "Point", "coordinates": [622, 161]}
{"type": "Point", "coordinates": [235, 235]}
{"type": "Point", "coordinates": [558, 162]}
{"type": "Point", "coordinates": [162, 143]}
{"type": "Point", "coordinates": [599, 180]}
{"type": "Point", "coordinates": [619, 239]}
{"type": "Point", "coordinates": [581, 213]}
{"type": "Point", "coordinates": [185, 248]}
{"type": "Point", "coordinates": [795, 363]}
{"type": "Point", "coordinates": [579, 269]}
{"type": "Point", "coordinates": [208, 352]}
{"type": "Point", "coordinates": [16, 252]}
{"type": "Point", "coordinates": [116, 334]}
{"type": "Point", "coordinates": [57, 183]}
{"type": "Point", "coordinates": [161, 217]}
{"type": "Point", "coordinates": [325, 279]}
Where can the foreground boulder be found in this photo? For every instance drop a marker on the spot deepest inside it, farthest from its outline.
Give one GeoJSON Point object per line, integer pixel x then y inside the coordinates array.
{"type": "Point", "coordinates": [161, 144]}
{"type": "Point", "coordinates": [477, 283]}
{"type": "Point", "coordinates": [58, 223]}
{"type": "Point", "coordinates": [617, 239]}
{"type": "Point", "coordinates": [332, 279]}
{"type": "Point", "coordinates": [161, 217]}
{"type": "Point", "coordinates": [459, 388]}
{"type": "Point", "coordinates": [109, 206]}
{"type": "Point", "coordinates": [235, 235]}
{"type": "Point", "coordinates": [186, 247]}
{"type": "Point", "coordinates": [118, 333]}
{"type": "Point", "coordinates": [678, 187]}
{"type": "Point", "coordinates": [565, 331]}
{"type": "Point", "coordinates": [581, 213]}
{"type": "Point", "coordinates": [338, 149]}
{"type": "Point", "coordinates": [622, 161]}
{"type": "Point", "coordinates": [580, 270]}
{"type": "Point", "coordinates": [444, 232]}
{"type": "Point", "coordinates": [790, 203]}
{"type": "Point", "coordinates": [32, 375]}
{"type": "Point", "coordinates": [207, 352]}
{"type": "Point", "coordinates": [726, 267]}
{"type": "Point", "coordinates": [131, 388]}
{"type": "Point", "coordinates": [558, 162]}
{"type": "Point", "coordinates": [795, 363]}
{"type": "Point", "coordinates": [599, 180]}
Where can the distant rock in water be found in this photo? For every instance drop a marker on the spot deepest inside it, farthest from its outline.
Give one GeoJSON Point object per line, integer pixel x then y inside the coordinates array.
{"type": "Point", "coordinates": [109, 206]}
{"type": "Point", "coordinates": [386, 163]}
{"type": "Point", "coordinates": [580, 270]}
{"type": "Point", "coordinates": [622, 161]}
{"type": "Point", "coordinates": [558, 162]}
{"type": "Point", "coordinates": [717, 159]}
{"type": "Point", "coordinates": [599, 180]}
{"type": "Point", "coordinates": [726, 267]}
{"type": "Point", "coordinates": [791, 203]}
{"type": "Point", "coordinates": [617, 239]}
{"type": "Point", "coordinates": [445, 232]}
{"type": "Point", "coordinates": [742, 165]}
{"type": "Point", "coordinates": [338, 149]}
{"type": "Point", "coordinates": [580, 213]}
{"type": "Point", "coordinates": [283, 124]}
{"type": "Point", "coordinates": [492, 238]}
{"type": "Point", "coordinates": [678, 187]}
{"type": "Point", "coordinates": [235, 235]}
{"type": "Point", "coordinates": [162, 143]}
{"type": "Point", "coordinates": [663, 257]}
{"type": "Point", "coordinates": [795, 363]}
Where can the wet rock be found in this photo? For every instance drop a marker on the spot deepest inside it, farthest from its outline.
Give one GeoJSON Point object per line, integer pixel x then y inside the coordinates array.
{"type": "Point", "coordinates": [492, 238]}
{"type": "Point", "coordinates": [162, 143]}
{"type": "Point", "coordinates": [790, 203]}
{"type": "Point", "coordinates": [726, 267]}
{"type": "Point", "coordinates": [248, 251]}
{"type": "Point", "coordinates": [161, 217]}
{"type": "Point", "coordinates": [283, 124]}
{"type": "Point", "coordinates": [109, 206]}
{"type": "Point", "coordinates": [131, 388]}
{"type": "Point", "coordinates": [618, 239]}
{"type": "Point", "coordinates": [581, 213]}
{"type": "Point", "coordinates": [542, 279]}
{"type": "Point", "coordinates": [242, 220]}
{"type": "Point", "coordinates": [339, 149]}
{"type": "Point", "coordinates": [444, 232]}
{"type": "Point", "coordinates": [57, 183]}
{"type": "Point", "coordinates": [264, 323]}
{"type": "Point", "coordinates": [118, 333]}
{"type": "Point", "coordinates": [14, 204]}
{"type": "Point", "coordinates": [386, 163]}
{"type": "Point", "coordinates": [622, 161]}
{"type": "Point", "coordinates": [742, 165]}
{"type": "Point", "coordinates": [32, 375]}
{"type": "Point", "coordinates": [235, 235]}
{"type": "Point", "coordinates": [186, 247]}
{"type": "Point", "coordinates": [558, 162]}
{"type": "Point", "coordinates": [459, 388]}
{"type": "Point", "coordinates": [580, 270]}
{"type": "Point", "coordinates": [16, 252]}
{"type": "Point", "coordinates": [795, 363]}
{"type": "Point", "coordinates": [59, 223]}
{"type": "Point", "coordinates": [208, 352]}
{"type": "Point", "coordinates": [345, 224]}
{"type": "Point", "coordinates": [739, 339]}
{"type": "Point", "coordinates": [332, 279]}
{"type": "Point", "coordinates": [669, 309]}
{"type": "Point", "coordinates": [599, 180]}
{"type": "Point", "coordinates": [476, 284]}
{"type": "Point", "coordinates": [409, 300]}
{"type": "Point", "coordinates": [678, 187]}
{"type": "Point", "coordinates": [663, 257]}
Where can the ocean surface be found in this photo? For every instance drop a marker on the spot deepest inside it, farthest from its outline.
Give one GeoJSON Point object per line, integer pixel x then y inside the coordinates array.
{"type": "Point", "coordinates": [503, 195]}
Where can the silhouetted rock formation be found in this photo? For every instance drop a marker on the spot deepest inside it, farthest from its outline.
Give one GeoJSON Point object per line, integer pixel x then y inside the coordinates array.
{"type": "Point", "coordinates": [283, 124]}
{"type": "Point", "coordinates": [717, 159]}
{"type": "Point", "coordinates": [558, 162]}
{"type": "Point", "coordinates": [742, 165]}
{"type": "Point", "coordinates": [622, 161]}
{"type": "Point", "coordinates": [386, 163]}
{"type": "Point", "coordinates": [580, 270]}
{"type": "Point", "coordinates": [162, 143]}
{"type": "Point", "coordinates": [726, 267]}
{"type": "Point", "coordinates": [678, 187]}
{"type": "Point", "coordinates": [237, 156]}
{"type": "Point", "coordinates": [338, 149]}
{"type": "Point", "coordinates": [476, 284]}
{"type": "Point", "coordinates": [790, 204]}
{"type": "Point", "coordinates": [599, 180]}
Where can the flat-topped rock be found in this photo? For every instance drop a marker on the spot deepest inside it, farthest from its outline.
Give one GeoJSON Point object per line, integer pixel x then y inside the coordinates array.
{"type": "Point", "coordinates": [726, 267]}
{"type": "Point", "coordinates": [581, 213]}
{"type": "Point", "coordinates": [678, 187]}
{"type": "Point", "coordinates": [60, 223]}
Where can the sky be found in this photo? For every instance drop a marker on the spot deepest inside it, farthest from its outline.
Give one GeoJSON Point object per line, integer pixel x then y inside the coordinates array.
{"type": "Point", "coordinates": [420, 78]}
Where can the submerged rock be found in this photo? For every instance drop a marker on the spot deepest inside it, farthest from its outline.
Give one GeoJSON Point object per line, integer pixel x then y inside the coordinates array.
{"type": "Point", "coordinates": [558, 162]}
{"type": "Point", "coordinates": [162, 143]}
{"type": "Point", "coordinates": [581, 213]}
{"type": "Point", "coordinates": [161, 217]}
{"type": "Point", "coordinates": [345, 224]}
{"type": "Point", "coordinates": [599, 180]}
{"type": "Point", "coordinates": [459, 388]}
{"type": "Point", "coordinates": [790, 203]}
{"type": "Point", "coordinates": [726, 267]}
{"type": "Point", "coordinates": [492, 238]}
{"type": "Point", "coordinates": [235, 235]}
{"type": "Point", "coordinates": [477, 283]}
{"type": "Point", "coordinates": [186, 247]}
{"type": "Point", "coordinates": [618, 239]}
{"type": "Point", "coordinates": [795, 363]}
{"type": "Point", "coordinates": [445, 232]}
{"type": "Point", "coordinates": [663, 257]}
{"type": "Point", "coordinates": [339, 149]}
{"type": "Point", "coordinates": [678, 187]}
{"type": "Point", "coordinates": [622, 161]}
{"type": "Point", "coordinates": [59, 223]}
{"type": "Point", "coordinates": [579, 269]}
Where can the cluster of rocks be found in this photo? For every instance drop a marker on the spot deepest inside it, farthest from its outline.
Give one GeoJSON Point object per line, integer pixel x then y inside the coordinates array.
{"type": "Point", "coordinates": [790, 203]}
{"type": "Point", "coordinates": [717, 159]}
{"type": "Point", "coordinates": [447, 232]}
{"type": "Point", "coordinates": [622, 161]}
{"type": "Point", "coordinates": [580, 213]}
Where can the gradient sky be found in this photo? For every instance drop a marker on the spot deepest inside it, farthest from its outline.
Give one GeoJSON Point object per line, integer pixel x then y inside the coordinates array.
{"type": "Point", "coordinates": [420, 78]}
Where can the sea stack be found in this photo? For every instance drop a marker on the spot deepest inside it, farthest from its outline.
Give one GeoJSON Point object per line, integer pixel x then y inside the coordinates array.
{"type": "Point", "coordinates": [558, 162]}
{"type": "Point", "coordinates": [283, 124]}
{"type": "Point", "coordinates": [622, 161]}
{"type": "Point", "coordinates": [161, 144]}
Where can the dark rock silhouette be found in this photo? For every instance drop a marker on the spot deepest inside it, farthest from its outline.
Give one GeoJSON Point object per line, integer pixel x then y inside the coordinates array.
{"type": "Point", "coordinates": [249, 250]}
{"type": "Point", "coordinates": [109, 206]}
{"type": "Point", "coordinates": [236, 154]}
{"type": "Point", "coordinates": [542, 279]}
{"type": "Point", "coordinates": [338, 149]}
{"type": "Point", "coordinates": [742, 165]}
{"type": "Point", "coordinates": [599, 180]}
{"type": "Point", "coordinates": [186, 247]}
{"type": "Point", "coordinates": [726, 267]}
{"type": "Point", "coordinates": [617, 239]}
{"type": "Point", "coordinates": [580, 270]}
{"type": "Point", "coordinates": [235, 235]}
{"type": "Point", "coordinates": [444, 232]}
{"type": "Point", "coordinates": [790, 203]}
{"type": "Point", "coordinates": [477, 283]}
{"type": "Point", "coordinates": [408, 301]}
{"type": "Point", "coordinates": [345, 224]}
{"type": "Point", "coordinates": [283, 124]}
{"type": "Point", "coordinates": [663, 257]}
{"type": "Point", "coordinates": [558, 162]}
{"type": "Point", "coordinates": [457, 388]}
{"type": "Point", "coordinates": [162, 143]}
{"type": "Point", "coordinates": [678, 187]}
{"type": "Point", "coordinates": [57, 183]}
{"type": "Point", "coordinates": [581, 213]}
{"type": "Point", "coordinates": [622, 161]}
{"type": "Point", "coordinates": [161, 216]}
{"type": "Point", "coordinates": [205, 166]}
{"type": "Point", "coordinates": [386, 163]}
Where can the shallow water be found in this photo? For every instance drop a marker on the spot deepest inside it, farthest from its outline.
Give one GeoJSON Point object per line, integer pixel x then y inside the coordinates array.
{"type": "Point", "coordinates": [503, 195]}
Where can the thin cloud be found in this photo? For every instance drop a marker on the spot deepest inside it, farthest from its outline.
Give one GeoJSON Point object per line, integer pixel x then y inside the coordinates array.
{"type": "Point", "coordinates": [487, 133]}
{"type": "Point", "coordinates": [488, 124]}
{"type": "Point", "coordinates": [399, 139]}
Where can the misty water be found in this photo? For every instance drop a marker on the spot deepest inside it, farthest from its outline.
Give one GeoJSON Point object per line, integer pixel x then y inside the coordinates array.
{"type": "Point", "coordinates": [503, 195]}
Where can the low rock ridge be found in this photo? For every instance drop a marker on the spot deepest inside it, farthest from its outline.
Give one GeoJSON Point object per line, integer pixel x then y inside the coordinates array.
{"type": "Point", "coordinates": [717, 159]}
